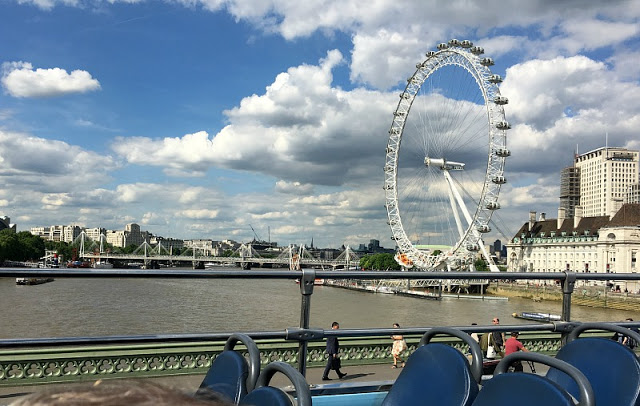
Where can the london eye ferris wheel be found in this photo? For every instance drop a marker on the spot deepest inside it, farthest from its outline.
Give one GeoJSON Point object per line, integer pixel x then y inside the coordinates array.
{"type": "Point", "coordinates": [445, 159]}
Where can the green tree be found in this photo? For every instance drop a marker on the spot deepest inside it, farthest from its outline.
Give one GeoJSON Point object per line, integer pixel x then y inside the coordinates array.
{"type": "Point", "coordinates": [130, 248]}
{"type": "Point", "coordinates": [382, 262]}
{"type": "Point", "coordinates": [481, 265]}
{"type": "Point", "coordinates": [22, 246]}
{"type": "Point", "coordinates": [32, 246]}
{"type": "Point", "coordinates": [9, 245]}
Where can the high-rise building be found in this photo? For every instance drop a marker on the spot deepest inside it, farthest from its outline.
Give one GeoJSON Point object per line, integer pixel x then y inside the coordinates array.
{"type": "Point", "coordinates": [570, 189]}
{"type": "Point", "coordinates": [496, 248]}
{"type": "Point", "coordinates": [605, 177]}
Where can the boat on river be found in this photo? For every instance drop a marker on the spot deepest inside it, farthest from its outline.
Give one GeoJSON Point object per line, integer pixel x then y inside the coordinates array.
{"type": "Point", "coordinates": [33, 281]}
{"type": "Point", "coordinates": [102, 265]}
{"type": "Point", "coordinates": [78, 264]}
{"type": "Point", "coordinates": [535, 316]}
{"type": "Point", "coordinates": [214, 265]}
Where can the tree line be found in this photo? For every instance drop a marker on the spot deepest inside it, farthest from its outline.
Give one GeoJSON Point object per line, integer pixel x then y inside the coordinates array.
{"type": "Point", "coordinates": [22, 246]}
{"type": "Point", "coordinates": [387, 262]}
{"type": "Point", "coordinates": [383, 262]}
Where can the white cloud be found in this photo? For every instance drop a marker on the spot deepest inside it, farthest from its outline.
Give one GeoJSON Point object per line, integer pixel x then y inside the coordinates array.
{"type": "Point", "coordinates": [293, 187]}
{"type": "Point", "coordinates": [153, 219]}
{"type": "Point", "coordinates": [589, 34]}
{"type": "Point", "coordinates": [562, 104]}
{"type": "Point", "coordinates": [200, 214]}
{"type": "Point", "coordinates": [626, 64]}
{"type": "Point", "coordinates": [302, 129]}
{"type": "Point", "coordinates": [48, 165]}
{"type": "Point", "coordinates": [20, 80]}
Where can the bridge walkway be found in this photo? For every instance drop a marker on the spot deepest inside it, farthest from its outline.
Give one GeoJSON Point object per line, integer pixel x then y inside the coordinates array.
{"type": "Point", "coordinates": [189, 383]}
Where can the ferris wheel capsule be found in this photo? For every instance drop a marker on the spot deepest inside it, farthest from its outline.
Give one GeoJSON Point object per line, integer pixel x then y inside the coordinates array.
{"type": "Point", "coordinates": [503, 152]}
{"type": "Point", "coordinates": [492, 206]}
{"type": "Point", "coordinates": [442, 46]}
{"type": "Point", "coordinates": [503, 125]}
{"type": "Point", "coordinates": [487, 62]}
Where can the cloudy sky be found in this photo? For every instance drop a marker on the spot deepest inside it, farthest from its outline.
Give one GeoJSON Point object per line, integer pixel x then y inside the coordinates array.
{"type": "Point", "coordinates": [199, 118]}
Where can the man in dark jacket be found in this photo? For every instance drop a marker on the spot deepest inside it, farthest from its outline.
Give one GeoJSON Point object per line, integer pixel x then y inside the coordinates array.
{"type": "Point", "coordinates": [333, 349]}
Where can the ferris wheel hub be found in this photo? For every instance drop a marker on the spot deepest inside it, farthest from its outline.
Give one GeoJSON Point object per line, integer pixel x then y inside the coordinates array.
{"type": "Point", "coordinates": [444, 164]}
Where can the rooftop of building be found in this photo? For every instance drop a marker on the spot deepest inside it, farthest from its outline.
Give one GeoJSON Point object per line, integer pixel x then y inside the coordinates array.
{"type": "Point", "coordinates": [627, 216]}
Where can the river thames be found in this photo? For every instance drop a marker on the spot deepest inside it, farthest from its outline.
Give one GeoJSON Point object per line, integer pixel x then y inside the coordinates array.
{"type": "Point", "coordinates": [95, 306]}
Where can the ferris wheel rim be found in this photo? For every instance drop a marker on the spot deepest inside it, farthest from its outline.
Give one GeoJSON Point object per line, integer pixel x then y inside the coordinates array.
{"type": "Point", "coordinates": [471, 62]}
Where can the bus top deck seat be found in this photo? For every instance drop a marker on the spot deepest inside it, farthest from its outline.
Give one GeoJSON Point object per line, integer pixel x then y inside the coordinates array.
{"type": "Point", "coordinates": [230, 375]}
{"type": "Point", "coordinates": [612, 368]}
{"type": "Point", "coordinates": [528, 389]}
{"type": "Point", "coordinates": [439, 372]}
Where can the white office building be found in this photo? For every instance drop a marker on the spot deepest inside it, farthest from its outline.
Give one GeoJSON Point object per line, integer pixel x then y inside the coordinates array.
{"type": "Point", "coordinates": [605, 177]}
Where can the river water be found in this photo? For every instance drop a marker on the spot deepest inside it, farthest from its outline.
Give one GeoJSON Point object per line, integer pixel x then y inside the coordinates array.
{"type": "Point", "coordinates": [96, 306]}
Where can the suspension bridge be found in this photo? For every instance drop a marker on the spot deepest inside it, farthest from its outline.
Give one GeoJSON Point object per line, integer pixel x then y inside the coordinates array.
{"type": "Point", "coordinates": [293, 257]}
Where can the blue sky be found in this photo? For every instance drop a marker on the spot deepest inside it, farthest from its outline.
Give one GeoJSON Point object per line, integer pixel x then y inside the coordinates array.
{"type": "Point", "coordinates": [197, 118]}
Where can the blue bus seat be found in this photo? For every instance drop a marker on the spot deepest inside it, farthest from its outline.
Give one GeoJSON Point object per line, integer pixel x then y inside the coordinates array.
{"type": "Point", "coordinates": [527, 389]}
{"type": "Point", "coordinates": [439, 372]}
{"type": "Point", "coordinates": [612, 368]}
{"type": "Point", "coordinates": [230, 375]}
{"type": "Point", "coordinates": [265, 395]}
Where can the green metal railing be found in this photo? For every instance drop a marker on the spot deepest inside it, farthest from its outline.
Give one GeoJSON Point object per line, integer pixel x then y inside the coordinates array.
{"type": "Point", "coordinates": [63, 363]}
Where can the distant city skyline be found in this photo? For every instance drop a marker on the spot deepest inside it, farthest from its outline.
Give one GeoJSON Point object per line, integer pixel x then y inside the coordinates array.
{"type": "Point", "coordinates": [200, 118]}
{"type": "Point", "coordinates": [69, 233]}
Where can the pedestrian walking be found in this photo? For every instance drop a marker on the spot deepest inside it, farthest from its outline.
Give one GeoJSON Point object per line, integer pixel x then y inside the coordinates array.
{"type": "Point", "coordinates": [399, 346]}
{"type": "Point", "coordinates": [514, 345]}
{"type": "Point", "coordinates": [333, 350]}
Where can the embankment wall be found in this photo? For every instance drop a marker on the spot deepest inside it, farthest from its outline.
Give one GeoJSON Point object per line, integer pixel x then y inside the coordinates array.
{"type": "Point", "coordinates": [582, 295]}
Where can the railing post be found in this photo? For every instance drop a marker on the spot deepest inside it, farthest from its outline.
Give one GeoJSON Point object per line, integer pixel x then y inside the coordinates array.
{"type": "Point", "coordinates": [567, 289]}
{"type": "Point", "coordinates": [306, 290]}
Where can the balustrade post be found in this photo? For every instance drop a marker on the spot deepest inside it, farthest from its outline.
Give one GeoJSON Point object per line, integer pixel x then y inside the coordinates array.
{"type": "Point", "coordinates": [306, 290]}
{"type": "Point", "coordinates": [567, 289]}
